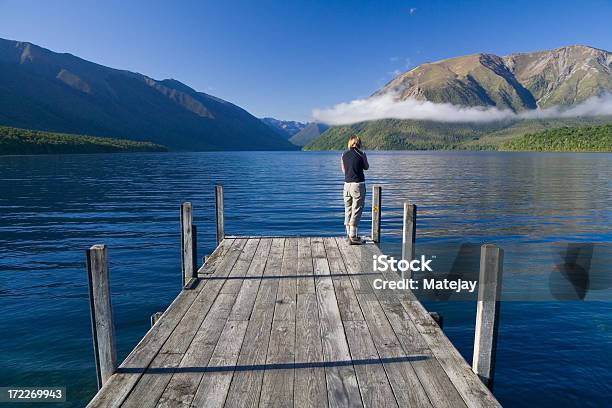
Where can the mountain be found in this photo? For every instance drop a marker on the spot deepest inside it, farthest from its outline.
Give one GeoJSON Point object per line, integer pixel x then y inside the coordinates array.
{"type": "Point", "coordinates": [564, 76]}
{"type": "Point", "coordinates": [285, 128]}
{"type": "Point", "coordinates": [44, 90]}
{"type": "Point", "coordinates": [308, 134]}
{"type": "Point", "coordinates": [521, 82]}
{"type": "Point", "coordinates": [396, 134]}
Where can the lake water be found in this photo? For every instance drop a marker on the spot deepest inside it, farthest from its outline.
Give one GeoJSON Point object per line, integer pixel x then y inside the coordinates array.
{"type": "Point", "coordinates": [552, 351]}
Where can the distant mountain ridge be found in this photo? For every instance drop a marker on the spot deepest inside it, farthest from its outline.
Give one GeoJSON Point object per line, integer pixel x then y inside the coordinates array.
{"type": "Point", "coordinates": [285, 128]}
{"type": "Point", "coordinates": [308, 134]}
{"type": "Point", "coordinates": [44, 90]}
{"type": "Point", "coordinates": [521, 82]}
{"type": "Point", "coordinates": [563, 76]}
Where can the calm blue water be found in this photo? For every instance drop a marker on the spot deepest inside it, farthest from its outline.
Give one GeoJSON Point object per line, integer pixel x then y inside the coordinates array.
{"type": "Point", "coordinates": [551, 353]}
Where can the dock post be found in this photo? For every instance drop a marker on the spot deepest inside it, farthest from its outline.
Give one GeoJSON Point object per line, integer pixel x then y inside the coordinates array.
{"type": "Point", "coordinates": [487, 312]}
{"type": "Point", "coordinates": [438, 318]}
{"type": "Point", "coordinates": [376, 212]}
{"type": "Point", "coordinates": [219, 210]}
{"type": "Point", "coordinates": [102, 325]}
{"type": "Point", "coordinates": [155, 317]}
{"type": "Point", "coordinates": [194, 253]}
{"type": "Point", "coordinates": [409, 232]}
{"type": "Point", "coordinates": [187, 248]}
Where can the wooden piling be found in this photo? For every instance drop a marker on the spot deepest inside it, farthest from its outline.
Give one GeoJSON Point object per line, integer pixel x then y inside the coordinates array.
{"type": "Point", "coordinates": [187, 251]}
{"type": "Point", "coordinates": [409, 232]}
{"type": "Point", "coordinates": [219, 211]}
{"type": "Point", "coordinates": [376, 212]}
{"type": "Point", "coordinates": [102, 325]}
{"type": "Point", "coordinates": [438, 318]}
{"type": "Point", "coordinates": [155, 317]}
{"type": "Point", "coordinates": [194, 252]}
{"type": "Point", "coordinates": [487, 312]}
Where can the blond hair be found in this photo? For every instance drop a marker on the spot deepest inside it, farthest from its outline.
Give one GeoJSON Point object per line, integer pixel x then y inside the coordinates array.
{"type": "Point", "coordinates": [354, 141]}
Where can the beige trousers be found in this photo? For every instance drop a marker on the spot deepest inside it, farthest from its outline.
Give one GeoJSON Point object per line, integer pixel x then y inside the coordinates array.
{"type": "Point", "coordinates": [354, 197]}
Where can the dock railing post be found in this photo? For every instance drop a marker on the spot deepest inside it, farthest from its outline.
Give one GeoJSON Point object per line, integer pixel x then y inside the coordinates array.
{"type": "Point", "coordinates": [409, 233]}
{"type": "Point", "coordinates": [102, 325]}
{"type": "Point", "coordinates": [219, 211]}
{"type": "Point", "coordinates": [155, 317]}
{"type": "Point", "coordinates": [376, 212]}
{"type": "Point", "coordinates": [187, 248]}
{"type": "Point", "coordinates": [487, 312]}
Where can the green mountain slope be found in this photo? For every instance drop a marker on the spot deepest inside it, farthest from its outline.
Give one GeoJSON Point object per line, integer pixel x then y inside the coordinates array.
{"type": "Point", "coordinates": [26, 141]}
{"type": "Point", "coordinates": [521, 82]}
{"type": "Point", "coordinates": [394, 134]}
{"type": "Point", "coordinates": [41, 89]}
{"type": "Point", "coordinates": [566, 139]}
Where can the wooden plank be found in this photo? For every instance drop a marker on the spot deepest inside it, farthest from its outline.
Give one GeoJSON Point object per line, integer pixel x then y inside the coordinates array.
{"type": "Point", "coordinates": [310, 387]}
{"type": "Point", "coordinates": [218, 254]}
{"type": "Point", "coordinates": [342, 388]}
{"type": "Point", "coordinates": [440, 390]}
{"type": "Point", "coordinates": [246, 384]}
{"type": "Point", "coordinates": [182, 336]}
{"type": "Point", "coordinates": [236, 277]}
{"type": "Point", "coordinates": [305, 284]}
{"type": "Point", "coordinates": [220, 218]}
{"type": "Point", "coordinates": [345, 295]}
{"type": "Point", "coordinates": [473, 392]}
{"type": "Point", "coordinates": [248, 292]}
{"type": "Point", "coordinates": [277, 386]}
{"type": "Point", "coordinates": [156, 378]}
{"type": "Point", "coordinates": [287, 285]}
{"type": "Point", "coordinates": [266, 296]}
{"type": "Point", "coordinates": [373, 383]}
{"type": "Point", "coordinates": [487, 312]}
{"type": "Point", "coordinates": [184, 383]}
{"type": "Point", "coordinates": [358, 266]}
{"type": "Point", "coordinates": [215, 383]}
{"type": "Point", "coordinates": [130, 371]}
{"type": "Point", "coordinates": [405, 381]}
{"type": "Point", "coordinates": [102, 324]}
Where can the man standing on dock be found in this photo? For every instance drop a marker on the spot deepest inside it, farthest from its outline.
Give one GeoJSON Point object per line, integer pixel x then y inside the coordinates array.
{"type": "Point", "coordinates": [354, 162]}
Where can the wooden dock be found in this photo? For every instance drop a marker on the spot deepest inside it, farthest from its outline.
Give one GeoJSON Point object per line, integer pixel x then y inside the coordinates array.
{"type": "Point", "coordinates": [293, 322]}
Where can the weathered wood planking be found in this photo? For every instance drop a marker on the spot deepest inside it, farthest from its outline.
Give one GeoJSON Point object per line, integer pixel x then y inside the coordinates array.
{"type": "Point", "coordinates": [293, 322]}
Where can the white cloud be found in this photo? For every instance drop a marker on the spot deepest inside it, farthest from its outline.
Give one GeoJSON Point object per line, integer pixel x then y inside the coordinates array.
{"type": "Point", "coordinates": [387, 106]}
{"type": "Point", "coordinates": [412, 10]}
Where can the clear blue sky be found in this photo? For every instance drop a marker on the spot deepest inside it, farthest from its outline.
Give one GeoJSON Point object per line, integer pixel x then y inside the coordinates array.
{"type": "Point", "coordinates": [284, 58]}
